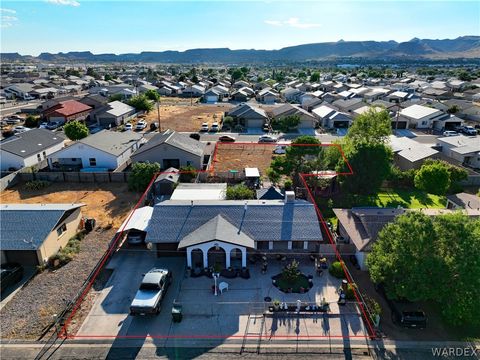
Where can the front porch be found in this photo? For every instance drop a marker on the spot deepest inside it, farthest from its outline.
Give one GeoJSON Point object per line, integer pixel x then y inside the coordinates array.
{"type": "Point", "coordinates": [216, 254]}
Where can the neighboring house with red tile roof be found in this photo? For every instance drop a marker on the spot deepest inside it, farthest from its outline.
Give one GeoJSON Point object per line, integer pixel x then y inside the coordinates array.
{"type": "Point", "coordinates": [67, 111]}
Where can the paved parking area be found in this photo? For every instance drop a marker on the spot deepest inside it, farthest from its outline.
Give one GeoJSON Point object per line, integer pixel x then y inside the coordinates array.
{"type": "Point", "coordinates": [237, 314]}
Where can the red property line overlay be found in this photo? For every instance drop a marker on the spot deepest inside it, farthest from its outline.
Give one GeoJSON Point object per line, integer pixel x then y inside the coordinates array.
{"type": "Point", "coordinates": [63, 333]}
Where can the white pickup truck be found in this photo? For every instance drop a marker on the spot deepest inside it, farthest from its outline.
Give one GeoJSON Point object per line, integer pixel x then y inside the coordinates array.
{"type": "Point", "coordinates": [152, 290]}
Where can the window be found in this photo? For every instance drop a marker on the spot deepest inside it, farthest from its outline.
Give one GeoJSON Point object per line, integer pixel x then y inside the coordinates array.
{"type": "Point", "coordinates": [44, 155]}
{"type": "Point", "coordinates": [92, 161]}
{"type": "Point", "coordinates": [189, 163]}
{"type": "Point", "coordinates": [424, 123]}
{"type": "Point", "coordinates": [39, 158]}
{"type": "Point", "coordinates": [262, 245]}
{"type": "Point", "coordinates": [61, 229]}
{"type": "Point", "coordinates": [297, 245]}
{"type": "Point", "coordinates": [74, 159]}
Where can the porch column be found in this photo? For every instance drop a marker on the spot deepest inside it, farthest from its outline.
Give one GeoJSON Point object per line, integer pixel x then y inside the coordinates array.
{"type": "Point", "coordinates": [270, 245]}
{"type": "Point", "coordinates": [244, 257]}
{"type": "Point", "coordinates": [205, 258]}
{"type": "Point", "coordinates": [289, 245]}
{"type": "Point", "coordinates": [305, 245]}
{"type": "Point", "coordinates": [189, 257]}
{"type": "Point", "coordinates": [227, 258]}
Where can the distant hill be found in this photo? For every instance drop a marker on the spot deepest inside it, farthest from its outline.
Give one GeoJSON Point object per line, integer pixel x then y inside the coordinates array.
{"type": "Point", "coordinates": [461, 47]}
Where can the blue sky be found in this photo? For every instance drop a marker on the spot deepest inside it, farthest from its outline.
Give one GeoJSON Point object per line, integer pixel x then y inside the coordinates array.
{"type": "Point", "coordinates": [32, 27]}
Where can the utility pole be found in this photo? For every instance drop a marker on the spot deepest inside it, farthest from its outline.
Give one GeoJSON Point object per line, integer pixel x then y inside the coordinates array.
{"type": "Point", "coordinates": [158, 115]}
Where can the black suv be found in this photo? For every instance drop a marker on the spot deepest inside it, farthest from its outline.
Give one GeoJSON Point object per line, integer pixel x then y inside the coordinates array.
{"type": "Point", "coordinates": [402, 312]}
{"type": "Point", "coordinates": [10, 275]}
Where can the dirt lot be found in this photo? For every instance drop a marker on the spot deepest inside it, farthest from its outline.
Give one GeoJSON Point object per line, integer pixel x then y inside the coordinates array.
{"type": "Point", "coordinates": [107, 203]}
{"type": "Point", "coordinates": [186, 117]}
{"type": "Point", "coordinates": [238, 157]}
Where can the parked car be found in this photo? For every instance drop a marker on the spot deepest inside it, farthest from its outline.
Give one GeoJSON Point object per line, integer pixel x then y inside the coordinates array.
{"type": "Point", "coordinates": [226, 138]}
{"type": "Point", "coordinates": [141, 125]}
{"type": "Point", "coordinates": [204, 127]}
{"type": "Point", "coordinates": [402, 312]}
{"type": "Point", "coordinates": [128, 127]}
{"type": "Point", "coordinates": [152, 290]}
{"type": "Point", "coordinates": [450, 133]}
{"type": "Point", "coordinates": [469, 130]}
{"type": "Point", "coordinates": [267, 138]}
{"type": "Point", "coordinates": [135, 237]}
{"type": "Point", "coordinates": [93, 129]}
{"type": "Point", "coordinates": [43, 125]}
{"type": "Point", "coordinates": [153, 126]}
{"type": "Point", "coordinates": [20, 129]}
{"type": "Point", "coordinates": [280, 149]}
{"type": "Point", "coordinates": [11, 273]}
{"type": "Point", "coordinates": [11, 120]}
{"type": "Point", "coordinates": [52, 125]}
{"type": "Point", "coordinates": [215, 127]}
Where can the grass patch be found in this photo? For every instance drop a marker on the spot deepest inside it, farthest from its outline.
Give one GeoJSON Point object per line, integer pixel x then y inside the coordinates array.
{"type": "Point", "coordinates": [406, 198]}
{"type": "Point", "coordinates": [300, 282]}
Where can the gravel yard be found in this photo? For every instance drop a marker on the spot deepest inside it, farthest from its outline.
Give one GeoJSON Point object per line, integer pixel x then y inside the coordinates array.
{"type": "Point", "coordinates": [32, 308]}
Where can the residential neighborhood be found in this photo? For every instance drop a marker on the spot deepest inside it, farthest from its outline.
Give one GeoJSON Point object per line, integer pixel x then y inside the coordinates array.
{"type": "Point", "coordinates": [310, 201]}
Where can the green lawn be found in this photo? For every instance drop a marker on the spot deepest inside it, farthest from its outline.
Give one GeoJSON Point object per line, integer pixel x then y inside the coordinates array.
{"type": "Point", "coordinates": [406, 198]}
{"type": "Point", "coordinates": [410, 199]}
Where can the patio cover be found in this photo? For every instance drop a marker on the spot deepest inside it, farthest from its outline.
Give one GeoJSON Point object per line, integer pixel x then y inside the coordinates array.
{"type": "Point", "coordinates": [139, 219]}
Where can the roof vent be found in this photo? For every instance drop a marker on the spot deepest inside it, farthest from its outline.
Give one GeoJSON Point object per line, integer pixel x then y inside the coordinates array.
{"type": "Point", "coordinates": [246, 205]}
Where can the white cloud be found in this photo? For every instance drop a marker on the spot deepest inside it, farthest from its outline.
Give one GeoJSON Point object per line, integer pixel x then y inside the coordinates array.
{"type": "Point", "coordinates": [7, 21]}
{"type": "Point", "coordinates": [10, 11]}
{"type": "Point", "coordinates": [292, 22]}
{"type": "Point", "coordinates": [64, 2]}
{"type": "Point", "coordinates": [273, 22]}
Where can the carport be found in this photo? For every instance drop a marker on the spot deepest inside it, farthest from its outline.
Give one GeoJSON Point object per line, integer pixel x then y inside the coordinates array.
{"type": "Point", "coordinates": [137, 220]}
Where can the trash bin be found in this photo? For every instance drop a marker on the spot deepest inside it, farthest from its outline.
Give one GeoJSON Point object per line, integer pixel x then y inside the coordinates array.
{"type": "Point", "coordinates": [177, 313]}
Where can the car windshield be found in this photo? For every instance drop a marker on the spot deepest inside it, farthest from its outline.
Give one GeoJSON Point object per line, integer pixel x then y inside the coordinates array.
{"type": "Point", "coordinates": [149, 286]}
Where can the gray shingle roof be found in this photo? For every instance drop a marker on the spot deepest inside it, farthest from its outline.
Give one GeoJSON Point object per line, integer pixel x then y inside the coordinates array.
{"type": "Point", "coordinates": [218, 228]}
{"type": "Point", "coordinates": [31, 142]}
{"type": "Point", "coordinates": [180, 141]}
{"type": "Point", "coordinates": [112, 142]}
{"type": "Point", "coordinates": [26, 226]}
{"type": "Point", "coordinates": [263, 220]}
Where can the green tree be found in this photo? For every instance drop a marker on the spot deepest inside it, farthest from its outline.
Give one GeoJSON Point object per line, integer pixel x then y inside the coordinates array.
{"type": "Point", "coordinates": [141, 103]}
{"type": "Point", "coordinates": [405, 256]}
{"type": "Point", "coordinates": [116, 97]}
{"type": "Point", "coordinates": [237, 74]}
{"type": "Point", "coordinates": [32, 121]}
{"type": "Point", "coordinates": [432, 178]}
{"type": "Point", "coordinates": [288, 123]}
{"type": "Point", "coordinates": [141, 175]}
{"type": "Point", "coordinates": [108, 77]}
{"type": "Point", "coordinates": [370, 164]}
{"type": "Point", "coordinates": [239, 192]}
{"type": "Point", "coordinates": [453, 109]}
{"type": "Point", "coordinates": [273, 176]}
{"type": "Point", "coordinates": [152, 95]}
{"type": "Point", "coordinates": [298, 158]}
{"type": "Point", "coordinates": [315, 76]}
{"type": "Point", "coordinates": [425, 258]}
{"type": "Point", "coordinates": [75, 130]}
{"type": "Point", "coordinates": [372, 127]}
{"type": "Point", "coordinates": [457, 174]}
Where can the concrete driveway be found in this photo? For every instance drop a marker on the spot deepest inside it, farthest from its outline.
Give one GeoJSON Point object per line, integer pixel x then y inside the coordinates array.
{"type": "Point", "coordinates": [110, 312]}
{"type": "Point", "coordinates": [209, 320]}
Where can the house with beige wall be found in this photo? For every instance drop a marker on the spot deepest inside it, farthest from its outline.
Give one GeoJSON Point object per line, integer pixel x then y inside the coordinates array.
{"type": "Point", "coordinates": [31, 233]}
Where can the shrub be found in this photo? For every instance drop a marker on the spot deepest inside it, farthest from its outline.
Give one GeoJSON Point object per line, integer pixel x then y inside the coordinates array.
{"type": "Point", "coordinates": [239, 192]}
{"type": "Point", "coordinates": [66, 254]}
{"type": "Point", "coordinates": [336, 270]}
{"type": "Point", "coordinates": [188, 173]}
{"type": "Point", "coordinates": [31, 121]}
{"type": "Point", "coordinates": [141, 175]}
{"type": "Point", "coordinates": [350, 294]}
{"type": "Point", "coordinates": [288, 184]}
{"type": "Point", "coordinates": [37, 184]}
{"type": "Point", "coordinates": [290, 273]}
{"type": "Point", "coordinates": [75, 130]}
